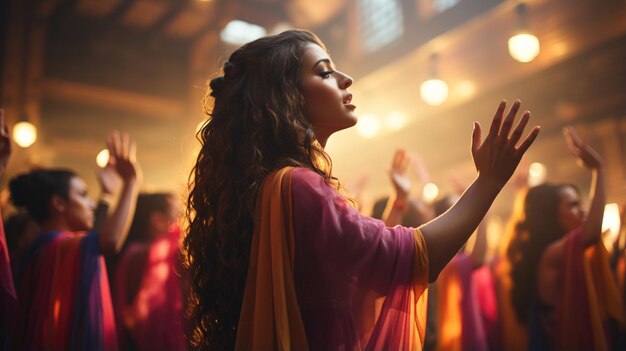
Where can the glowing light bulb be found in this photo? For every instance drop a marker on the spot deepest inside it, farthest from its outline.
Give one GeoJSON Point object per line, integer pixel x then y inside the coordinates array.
{"type": "Point", "coordinates": [24, 134]}
{"type": "Point", "coordinates": [431, 190]}
{"type": "Point", "coordinates": [103, 158]}
{"type": "Point", "coordinates": [368, 126]}
{"type": "Point", "coordinates": [536, 173]}
{"type": "Point", "coordinates": [524, 47]}
{"type": "Point", "coordinates": [434, 92]}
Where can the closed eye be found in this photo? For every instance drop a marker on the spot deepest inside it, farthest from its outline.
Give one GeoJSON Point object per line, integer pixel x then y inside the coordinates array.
{"type": "Point", "coordinates": [326, 74]}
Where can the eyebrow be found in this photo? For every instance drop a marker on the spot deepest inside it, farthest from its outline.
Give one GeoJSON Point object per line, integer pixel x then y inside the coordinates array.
{"type": "Point", "coordinates": [324, 60]}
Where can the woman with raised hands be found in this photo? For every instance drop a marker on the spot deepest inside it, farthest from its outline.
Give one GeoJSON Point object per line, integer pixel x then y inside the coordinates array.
{"type": "Point", "coordinates": [64, 301]}
{"type": "Point", "coordinates": [275, 250]}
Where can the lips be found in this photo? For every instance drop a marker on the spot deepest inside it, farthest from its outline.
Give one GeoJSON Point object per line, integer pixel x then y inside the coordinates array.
{"type": "Point", "coordinates": [346, 102]}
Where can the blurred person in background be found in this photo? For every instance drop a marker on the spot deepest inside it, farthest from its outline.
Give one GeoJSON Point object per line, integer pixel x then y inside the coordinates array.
{"type": "Point", "coordinates": [148, 286]}
{"type": "Point", "coordinates": [563, 291]}
{"type": "Point", "coordinates": [64, 301]}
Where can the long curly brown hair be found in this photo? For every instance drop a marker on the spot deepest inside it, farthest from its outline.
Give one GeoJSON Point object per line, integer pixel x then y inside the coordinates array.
{"type": "Point", "coordinates": [533, 230]}
{"type": "Point", "coordinates": [257, 123]}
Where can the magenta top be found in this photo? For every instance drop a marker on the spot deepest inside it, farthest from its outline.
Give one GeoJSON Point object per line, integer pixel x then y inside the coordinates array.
{"type": "Point", "coordinates": [343, 260]}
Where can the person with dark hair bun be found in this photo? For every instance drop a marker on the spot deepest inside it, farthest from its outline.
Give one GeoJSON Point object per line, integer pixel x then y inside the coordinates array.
{"type": "Point", "coordinates": [566, 298]}
{"type": "Point", "coordinates": [61, 280]}
{"type": "Point", "coordinates": [275, 251]}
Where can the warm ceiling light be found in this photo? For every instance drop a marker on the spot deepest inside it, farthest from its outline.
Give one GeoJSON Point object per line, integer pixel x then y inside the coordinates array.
{"type": "Point", "coordinates": [24, 134]}
{"type": "Point", "coordinates": [239, 32]}
{"type": "Point", "coordinates": [536, 173]}
{"type": "Point", "coordinates": [368, 126]}
{"type": "Point", "coordinates": [523, 46]}
{"type": "Point", "coordinates": [434, 92]}
{"type": "Point", "coordinates": [430, 192]}
{"type": "Point", "coordinates": [102, 160]}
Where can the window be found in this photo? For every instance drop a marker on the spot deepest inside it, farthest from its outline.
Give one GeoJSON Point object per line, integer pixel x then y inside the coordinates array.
{"type": "Point", "coordinates": [380, 23]}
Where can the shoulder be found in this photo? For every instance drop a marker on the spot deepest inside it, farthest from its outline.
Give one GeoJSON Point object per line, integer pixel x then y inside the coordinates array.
{"type": "Point", "coordinates": [306, 181]}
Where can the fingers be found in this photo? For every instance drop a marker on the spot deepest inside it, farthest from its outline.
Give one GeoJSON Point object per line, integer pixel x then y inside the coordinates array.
{"type": "Point", "coordinates": [530, 138]}
{"type": "Point", "coordinates": [400, 161]}
{"type": "Point", "coordinates": [132, 152]}
{"type": "Point", "coordinates": [476, 137]}
{"type": "Point", "coordinates": [508, 121]}
{"type": "Point", "coordinates": [497, 120]}
{"type": "Point", "coordinates": [519, 129]}
{"type": "Point", "coordinates": [573, 141]}
{"type": "Point", "coordinates": [119, 145]}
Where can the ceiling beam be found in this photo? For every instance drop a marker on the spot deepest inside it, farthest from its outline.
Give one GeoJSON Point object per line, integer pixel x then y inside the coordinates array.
{"type": "Point", "coordinates": [175, 9]}
{"type": "Point", "coordinates": [155, 106]}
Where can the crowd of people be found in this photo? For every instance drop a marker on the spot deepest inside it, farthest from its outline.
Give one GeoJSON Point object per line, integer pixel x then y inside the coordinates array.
{"type": "Point", "coordinates": [275, 254]}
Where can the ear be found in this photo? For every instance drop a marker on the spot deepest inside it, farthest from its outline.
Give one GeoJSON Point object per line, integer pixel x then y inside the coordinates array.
{"type": "Point", "coordinates": [58, 204]}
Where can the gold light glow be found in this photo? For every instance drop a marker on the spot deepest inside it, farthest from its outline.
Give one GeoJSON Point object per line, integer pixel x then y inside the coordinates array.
{"type": "Point", "coordinates": [103, 158]}
{"type": "Point", "coordinates": [434, 92]}
{"type": "Point", "coordinates": [524, 47]}
{"type": "Point", "coordinates": [24, 134]}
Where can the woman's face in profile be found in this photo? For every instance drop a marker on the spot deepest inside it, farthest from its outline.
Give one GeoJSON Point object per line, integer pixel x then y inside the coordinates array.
{"type": "Point", "coordinates": [571, 213]}
{"type": "Point", "coordinates": [325, 91]}
{"type": "Point", "coordinates": [78, 209]}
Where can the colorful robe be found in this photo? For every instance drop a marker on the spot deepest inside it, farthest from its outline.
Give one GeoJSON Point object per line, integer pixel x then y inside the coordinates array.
{"type": "Point", "coordinates": [8, 296]}
{"type": "Point", "coordinates": [324, 277]}
{"type": "Point", "coordinates": [590, 301]}
{"type": "Point", "coordinates": [153, 319]}
{"type": "Point", "coordinates": [64, 298]}
{"type": "Point", "coordinates": [460, 320]}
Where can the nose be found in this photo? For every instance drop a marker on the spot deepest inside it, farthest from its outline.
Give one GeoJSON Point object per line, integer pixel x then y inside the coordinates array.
{"type": "Point", "coordinates": [346, 81]}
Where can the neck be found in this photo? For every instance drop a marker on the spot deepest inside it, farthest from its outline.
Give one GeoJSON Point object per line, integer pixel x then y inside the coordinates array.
{"type": "Point", "coordinates": [54, 224]}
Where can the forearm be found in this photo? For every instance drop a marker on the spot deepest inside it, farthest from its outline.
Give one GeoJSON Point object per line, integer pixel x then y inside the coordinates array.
{"type": "Point", "coordinates": [115, 228]}
{"type": "Point", "coordinates": [592, 226]}
{"type": "Point", "coordinates": [446, 234]}
{"type": "Point", "coordinates": [395, 211]}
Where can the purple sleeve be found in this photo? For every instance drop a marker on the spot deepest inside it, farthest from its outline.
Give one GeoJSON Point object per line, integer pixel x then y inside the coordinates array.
{"type": "Point", "coordinates": [334, 240]}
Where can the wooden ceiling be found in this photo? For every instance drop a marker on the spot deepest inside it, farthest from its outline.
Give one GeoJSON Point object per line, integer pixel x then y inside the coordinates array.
{"type": "Point", "coordinates": [80, 68]}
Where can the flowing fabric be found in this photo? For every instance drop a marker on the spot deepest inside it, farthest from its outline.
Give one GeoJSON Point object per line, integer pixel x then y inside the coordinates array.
{"type": "Point", "coordinates": [324, 277]}
{"type": "Point", "coordinates": [589, 285]}
{"type": "Point", "coordinates": [484, 288]}
{"type": "Point", "coordinates": [8, 296]}
{"type": "Point", "coordinates": [153, 319]}
{"type": "Point", "coordinates": [460, 322]}
{"type": "Point", "coordinates": [64, 298]}
{"type": "Point", "coordinates": [506, 332]}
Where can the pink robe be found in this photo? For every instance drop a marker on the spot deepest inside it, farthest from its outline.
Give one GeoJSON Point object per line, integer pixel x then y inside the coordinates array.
{"type": "Point", "coordinates": [324, 277]}
{"type": "Point", "coordinates": [154, 317]}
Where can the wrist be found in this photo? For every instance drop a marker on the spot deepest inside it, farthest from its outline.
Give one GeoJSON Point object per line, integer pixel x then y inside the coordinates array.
{"type": "Point", "coordinates": [106, 197]}
{"type": "Point", "coordinates": [489, 185]}
{"type": "Point", "coordinates": [401, 204]}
